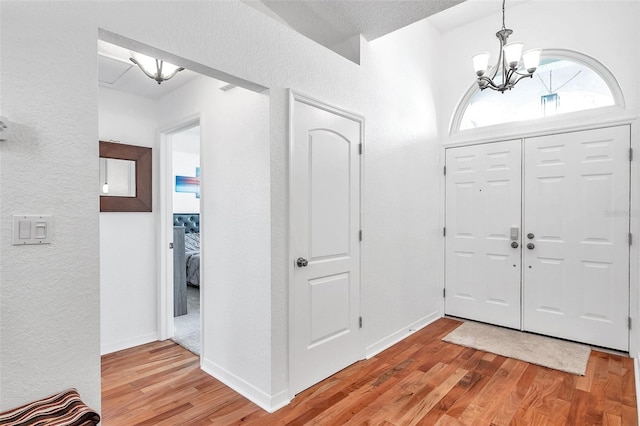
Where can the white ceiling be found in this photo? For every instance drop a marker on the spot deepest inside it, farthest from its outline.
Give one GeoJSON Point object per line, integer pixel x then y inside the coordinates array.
{"type": "Point", "coordinates": [328, 22]}
{"type": "Point", "coordinates": [469, 11]}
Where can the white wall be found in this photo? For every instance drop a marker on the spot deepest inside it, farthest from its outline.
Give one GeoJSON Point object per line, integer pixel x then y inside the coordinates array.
{"type": "Point", "coordinates": [402, 275]}
{"type": "Point", "coordinates": [50, 332]}
{"type": "Point", "coordinates": [393, 88]}
{"type": "Point", "coordinates": [235, 227]}
{"type": "Point", "coordinates": [128, 241]}
{"type": "Point", "coordinates": [186, 157]}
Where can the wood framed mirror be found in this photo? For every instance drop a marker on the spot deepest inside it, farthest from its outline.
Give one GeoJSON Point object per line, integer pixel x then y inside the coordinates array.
{"type": "Point", "coordinates": [130, 186]}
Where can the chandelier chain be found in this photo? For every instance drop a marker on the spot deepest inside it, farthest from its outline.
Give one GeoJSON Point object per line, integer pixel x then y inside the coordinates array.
{"type": "Point", "coordinates": [503, 25]}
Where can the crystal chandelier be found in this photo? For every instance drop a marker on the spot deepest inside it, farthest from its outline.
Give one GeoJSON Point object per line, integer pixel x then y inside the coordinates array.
{"type": "Point", "coordinates": [508, 63]}
{"type": "Point", "coordinates": [155, 68]}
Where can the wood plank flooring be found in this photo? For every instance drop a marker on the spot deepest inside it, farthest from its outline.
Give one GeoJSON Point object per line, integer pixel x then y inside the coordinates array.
{"type": "Point", "coordinates": [421, 380]}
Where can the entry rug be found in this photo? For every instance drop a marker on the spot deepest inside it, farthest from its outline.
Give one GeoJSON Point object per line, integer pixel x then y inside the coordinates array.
{"type": "Point", "coordinates": [540, 350]}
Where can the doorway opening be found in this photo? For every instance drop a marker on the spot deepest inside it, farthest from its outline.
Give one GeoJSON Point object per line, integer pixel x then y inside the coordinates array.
{"type": "Point", "coordinates": [184, 205]}
{"type": "Point", "coordinates": [137, 292]}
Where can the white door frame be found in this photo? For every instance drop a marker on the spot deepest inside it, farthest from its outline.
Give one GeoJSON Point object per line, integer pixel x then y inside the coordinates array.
{"type": "Point", "coordinates": [297, 96]}
{"type": "Point", "coordinates": [165, 288]}
{"type": "Point", "coordinates": [544, 128]}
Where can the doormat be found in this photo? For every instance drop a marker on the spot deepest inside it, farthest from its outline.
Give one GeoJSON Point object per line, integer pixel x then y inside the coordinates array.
{"type": "Point", "coordinates": [540, 350]}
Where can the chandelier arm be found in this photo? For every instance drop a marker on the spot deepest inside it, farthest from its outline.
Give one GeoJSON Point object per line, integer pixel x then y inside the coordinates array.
{"type": "Point", "coordinates": [147, 73]}
{"type": "Point", "coordinates": [507, 80]}
{"type": "Point", "coordinates": [528, 74]}
{"type": "Point", "coordinates": [490, 84]}
{"type": "Point", "coordinates": [522, 77]}
{"type": "Point", "coordinates": [501, 61]}
{"type": "Point", "coordinates": [172, 74]}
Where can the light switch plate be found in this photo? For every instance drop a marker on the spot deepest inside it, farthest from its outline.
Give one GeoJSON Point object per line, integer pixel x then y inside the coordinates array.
{"type": "Point", "coordinates": [32, 229]}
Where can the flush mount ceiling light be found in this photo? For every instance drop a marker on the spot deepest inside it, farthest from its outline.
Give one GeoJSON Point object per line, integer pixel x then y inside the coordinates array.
{"type": "Point", "coordinates": [507, 69]}
{"type": "Point", "coordinates": [155, 68]}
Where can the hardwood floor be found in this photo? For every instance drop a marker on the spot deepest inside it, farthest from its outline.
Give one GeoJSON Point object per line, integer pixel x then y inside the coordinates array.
{"type": "Point", "coordinates": [421, 380]}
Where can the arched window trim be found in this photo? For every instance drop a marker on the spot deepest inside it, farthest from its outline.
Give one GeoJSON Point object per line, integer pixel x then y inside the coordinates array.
{"type": "Point", "coordinates": [570, 55]}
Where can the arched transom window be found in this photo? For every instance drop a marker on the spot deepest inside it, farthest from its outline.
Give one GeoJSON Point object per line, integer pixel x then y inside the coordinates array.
{"type": "Point", "coordinates": [564, 82]}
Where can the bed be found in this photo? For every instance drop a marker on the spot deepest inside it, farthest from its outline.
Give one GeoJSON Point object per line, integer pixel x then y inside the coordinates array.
{"type": "Point", "coordinates": [186, 258]}
{"type": "Point", "coordinates": [191, 224]}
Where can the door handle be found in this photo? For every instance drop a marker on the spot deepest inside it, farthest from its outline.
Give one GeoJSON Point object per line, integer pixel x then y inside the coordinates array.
{"type": "Point", "coordinates": [301, 262]}
{"type": "Point", "coordinates": [531, 246]}
{"type": "Point", "coordinates": [514, 244]}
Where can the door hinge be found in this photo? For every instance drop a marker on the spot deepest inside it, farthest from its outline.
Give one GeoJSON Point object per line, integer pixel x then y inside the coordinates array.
{"type": "Point", "coordinates": [444, 292]}
{"type": "Point", "coordinates": [360, 235]}
{"type": "Point", "coordinates": [630, 238]}
{"type": "Point", "coordinates": [360, 322]}
{"type": "Point", "coordinates": [630, 154]}
{"type": "Point", "coordinates": [170, 245]}
{"type": "Point", "coordinates": [444, 171]}
{"type": "Point", "coordinates": [360, 149]}
{"type": "Point", "coordinates": [629, 323]}
{"type": "Point", "coordinates": [444, 231]}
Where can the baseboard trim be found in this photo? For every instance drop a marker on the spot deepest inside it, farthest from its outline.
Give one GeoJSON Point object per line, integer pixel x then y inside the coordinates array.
{"type": "Point", "coordinates": [636, 373]}
{"type": "Point", "coordinates": [403, 333]}
{"type": "Point", "coordinates": [269, 403]}
{"type": "Point", "coordinates": [128, 343]}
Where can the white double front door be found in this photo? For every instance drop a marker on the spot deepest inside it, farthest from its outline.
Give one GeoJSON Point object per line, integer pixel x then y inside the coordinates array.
{"type": "Point", "coordinates": [537, 235]}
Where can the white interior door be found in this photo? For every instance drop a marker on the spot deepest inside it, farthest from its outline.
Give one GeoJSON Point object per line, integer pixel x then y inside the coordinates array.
{"type": "Point", "coordinates": [325, 246]}
{"type": "Point", "coordinates": [576, 273]}
{"type": "Point", "coordinates": [483, 204]}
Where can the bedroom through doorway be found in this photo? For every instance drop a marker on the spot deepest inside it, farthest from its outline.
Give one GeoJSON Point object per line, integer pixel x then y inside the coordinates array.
{"type": "Point", "coordinates": [185, 208]}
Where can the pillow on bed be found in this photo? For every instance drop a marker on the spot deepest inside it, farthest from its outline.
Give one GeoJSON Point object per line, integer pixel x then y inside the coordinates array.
{"type": "Point", "coordinates": [192, 241]}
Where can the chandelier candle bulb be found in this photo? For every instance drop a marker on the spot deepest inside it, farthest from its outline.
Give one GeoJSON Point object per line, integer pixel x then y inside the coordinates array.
{"type": "Point", "coordinates": [512, 52]}
{"type": "Point", "coordinates": [481, 63]}
{"type": "Point", "coordinates": [531, 59]}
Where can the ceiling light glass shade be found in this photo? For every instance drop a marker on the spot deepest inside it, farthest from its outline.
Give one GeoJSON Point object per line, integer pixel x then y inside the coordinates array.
{"type": "Point", "coordinates": [512, 53]}
{"type": "Point", "coordinates": [105, 188]}
{"type": "Point", "coordinates": [168, 69]}
{"type": "Point", "coordinates": [481, 62]}
{"type": "Point", "coordinates": [155, 68]}
{"type": "Point", "coordinates": [145, 62]}
{"type": "Point", "coordinates": [531, 59]}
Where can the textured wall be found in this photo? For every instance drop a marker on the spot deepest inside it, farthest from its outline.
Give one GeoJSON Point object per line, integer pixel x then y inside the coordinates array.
{"type": "Point", "coordinates": [235, 224]}
{"type": "Point", "coordinates": [50, 335]}
{"type": "Point", "coordinates": [402, 275]}
{"type": "Point", "coordinates": [128, 241]}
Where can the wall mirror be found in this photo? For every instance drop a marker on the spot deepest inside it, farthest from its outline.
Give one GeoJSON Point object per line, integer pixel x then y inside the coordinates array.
{"type": "Point", "coordinates": [125, 178]}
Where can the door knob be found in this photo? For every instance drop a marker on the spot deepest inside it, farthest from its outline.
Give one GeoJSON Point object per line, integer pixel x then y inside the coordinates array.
{"type": "Point", "coordinates": [302, 262]}
{"type": "Point", "coordinates": [530, 236]}
{"type": "Point", "coordinates": [514, 244]}
{"type": "Point", "coordinates": [531, 246]}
